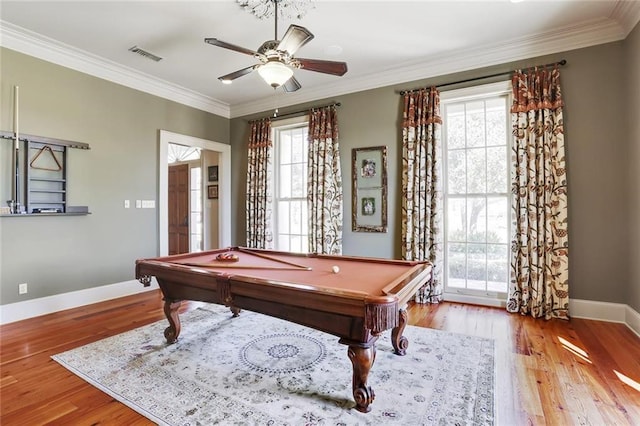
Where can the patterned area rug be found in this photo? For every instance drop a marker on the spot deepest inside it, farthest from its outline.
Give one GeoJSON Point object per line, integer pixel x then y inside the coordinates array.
{"type": "Point", "coordinates": [256, 369]}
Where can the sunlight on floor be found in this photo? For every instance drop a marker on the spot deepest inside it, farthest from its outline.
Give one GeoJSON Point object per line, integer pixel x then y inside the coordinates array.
{"type": "Point", "coordinates": [628, 381]}
{"type": "Point", "coordinates": [575, 349]}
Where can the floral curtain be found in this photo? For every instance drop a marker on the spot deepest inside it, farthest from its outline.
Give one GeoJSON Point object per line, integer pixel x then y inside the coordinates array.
{"type": "Point", "coordinates": [259, 199]}
{"type": "Point", "coordinates": [539, 265]}
{"type": "Point", "coordinates": [324, 186]}
{"type": "Point", "coordinates": [422, 186]}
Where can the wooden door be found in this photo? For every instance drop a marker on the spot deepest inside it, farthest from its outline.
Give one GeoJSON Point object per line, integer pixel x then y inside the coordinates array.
{"type": "Point", "coordinates": [179, 209]}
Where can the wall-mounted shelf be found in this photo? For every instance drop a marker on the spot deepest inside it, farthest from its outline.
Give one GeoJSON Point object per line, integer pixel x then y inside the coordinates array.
{"type": "Point", "coordinates": [44, 173]}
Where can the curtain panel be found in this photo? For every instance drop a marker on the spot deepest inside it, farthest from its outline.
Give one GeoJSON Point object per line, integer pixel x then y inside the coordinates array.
{"type": "Point", "coordinates": [324, 186]}
{"type": "Point", "coordinates": [539, 284]}
{"type": "Point", "coordinates": [259, 192]}
{"type": "Point", "coordinates": [422, 206]}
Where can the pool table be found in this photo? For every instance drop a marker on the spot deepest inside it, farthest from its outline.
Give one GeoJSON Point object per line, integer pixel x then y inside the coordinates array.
{"type": "Point", "coordinates": [353, 298]}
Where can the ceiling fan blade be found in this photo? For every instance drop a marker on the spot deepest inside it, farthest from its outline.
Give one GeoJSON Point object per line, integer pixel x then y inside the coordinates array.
{"type": "Point", "coordinates": [232, 76]}
{"type": "Point", "coordinates": [220, 43]}
{"type": "Point", "coordinates": [326, 67]}
{"type": "Point", "coordinates": [291, 85]}
{"type": "Point", "coordinates": [295, 37]}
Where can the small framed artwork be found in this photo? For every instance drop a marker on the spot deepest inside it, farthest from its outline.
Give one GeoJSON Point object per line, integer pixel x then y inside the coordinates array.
{"type": "Point", "coordinates": [213, 173]}
{"type": "Point", "coordinates": [212, 191]}
{"type": "Point", "coordinates": [369, 186]}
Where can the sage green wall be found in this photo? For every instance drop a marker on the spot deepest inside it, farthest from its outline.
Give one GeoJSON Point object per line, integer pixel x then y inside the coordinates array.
{"type": "Point", "coordinates": [632, 90]}
{"type": "Point", "coordinates": [597, 153]}
{"type": "Point", "coordinates": [60, 254]}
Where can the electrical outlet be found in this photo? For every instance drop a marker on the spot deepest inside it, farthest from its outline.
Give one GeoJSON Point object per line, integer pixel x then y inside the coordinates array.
{"type": "Point", "coordinates": [126, 204]}
{"type": "Point", "coordinates": [22, 288]}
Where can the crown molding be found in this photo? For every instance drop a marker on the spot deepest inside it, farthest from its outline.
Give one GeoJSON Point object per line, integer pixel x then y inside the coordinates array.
{"type": "Point", "coordinates": [627, 13]}
{"type": "Point", "coordinates": [30, 43]}
{"type": "Point", "coordinates": [587, 34]}
{"type": "Point", "coordinates": [623, 18]}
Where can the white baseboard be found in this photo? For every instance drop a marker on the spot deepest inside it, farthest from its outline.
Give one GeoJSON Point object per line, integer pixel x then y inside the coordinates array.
{"type": "Point", "coordinates": [45, 305]}
{"type": "Point", "coordinates": [605, 311]}
{"type": "Point", "coordinates": [578, 308]}
{"type": "Point", "coordinates": [632, 319]}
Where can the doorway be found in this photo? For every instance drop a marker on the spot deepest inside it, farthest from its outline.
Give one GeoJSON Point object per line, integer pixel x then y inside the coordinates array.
{"type": "Point", "coordinates": [178, 205]}
{"type": "Point", "coordinates": [223, 152]}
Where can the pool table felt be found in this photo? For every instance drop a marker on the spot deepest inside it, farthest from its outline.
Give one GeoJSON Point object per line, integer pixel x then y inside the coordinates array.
{"type": "Point", "coordinates": [370, 277]}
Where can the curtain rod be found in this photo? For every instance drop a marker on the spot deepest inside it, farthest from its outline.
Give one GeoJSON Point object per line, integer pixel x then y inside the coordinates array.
{"type": "Point", "coordinates": [302, 112]}
{"type": "Point", "coordinates": [562, 62]}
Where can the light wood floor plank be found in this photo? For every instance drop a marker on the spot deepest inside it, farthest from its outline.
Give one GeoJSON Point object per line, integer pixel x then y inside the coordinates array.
{"type": "Point", "coordinates": [548, 372]}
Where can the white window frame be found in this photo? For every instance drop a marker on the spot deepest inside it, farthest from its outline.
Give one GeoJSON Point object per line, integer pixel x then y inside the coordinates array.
{"type": "Point", "coordinates": [276, 127]}
{"type": "Point", "coordinates": [484, 91]}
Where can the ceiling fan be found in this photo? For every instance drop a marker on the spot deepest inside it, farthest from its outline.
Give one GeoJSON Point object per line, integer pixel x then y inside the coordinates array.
{"type": "Point", "coordinates": [276, 58]}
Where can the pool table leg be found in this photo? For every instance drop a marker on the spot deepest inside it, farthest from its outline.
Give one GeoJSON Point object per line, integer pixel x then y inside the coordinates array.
{"type": "Point", "coordinates": [362, 357]}
{"type": "Point", "coordinates": [172, 332]}
{"type": "Point", "coordinates": [399, 342]}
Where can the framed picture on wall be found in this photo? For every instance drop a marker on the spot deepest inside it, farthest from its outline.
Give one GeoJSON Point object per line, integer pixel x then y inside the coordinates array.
{"type": "Point", "coordinates": [213, 173]}
{"type": "Point", "coordinates": [369, 189]}
{"type": "Point", "coordinates": [212, 191]}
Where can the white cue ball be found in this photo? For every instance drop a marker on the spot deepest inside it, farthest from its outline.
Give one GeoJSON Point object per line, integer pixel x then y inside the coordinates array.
{"type": "Point", "coordinates": [335, 269]}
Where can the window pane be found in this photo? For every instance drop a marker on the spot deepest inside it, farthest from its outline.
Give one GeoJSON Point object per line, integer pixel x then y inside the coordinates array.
{"type": "Point", "coordinates": [456, 262]}
{"type": "Point", "coordinates": [283, 242]}
{"type": "Point", "coordinates": [455, 126]}
{"type": "Point", "coordinates": [285, 181]}
{"type": "Point", "coordinates": [457, 219]}
{"type": "Point", "coordinates": [476, 266]}
{"type": "Point", "coordinates": [497, 267]}
{"type": "Point", "coordinates": [498, 220]}
{"type": "Point", "coordinates": [296, 217]}
{"type": "Point", "coordinates": [296, 243]}
{"type": "Point", "coordinates": [497, 167]}
{"type": "Point", "coordinates": [196, 243]}
{"type": "Point", "coordinates": [456, 172]}
{"type": "Point", "coordinates": [196, 202]}
{"type": "Point", "coordinates": [305, 221]}
{"type": "Point", "coordinates": [297, 147]}
{"type": "Point", "coordinates": [285, 147]}
{"type": "Point", "coordinates": [476, 171]}
{"type": "Point", "coordinates": [298, 181]}
{"type": "Point", "coordinates": [283, 217]}
{"type": "Point", "coordinates": [475, 124]}
{"type": "Point", "coordinates": [496, 119]}
{"type": "Point", "coordinates": [476, 218]}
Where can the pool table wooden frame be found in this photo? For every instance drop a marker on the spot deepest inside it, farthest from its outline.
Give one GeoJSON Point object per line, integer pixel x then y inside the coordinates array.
{"type": "Point", "coordinates": [357, 317]}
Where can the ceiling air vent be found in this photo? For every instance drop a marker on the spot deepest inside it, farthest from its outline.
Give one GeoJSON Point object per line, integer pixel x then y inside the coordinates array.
{"type": "Point", "coordinates": [142, 52]}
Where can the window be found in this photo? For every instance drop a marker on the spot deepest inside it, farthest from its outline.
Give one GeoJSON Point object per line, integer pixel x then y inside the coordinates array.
{"type": "Point", "coordinates": [476, 149]}
{"type": "Point", "coordinates": [290, 188]}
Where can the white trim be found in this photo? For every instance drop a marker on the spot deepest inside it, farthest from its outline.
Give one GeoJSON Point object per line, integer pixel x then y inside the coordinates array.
{"type": "Point", "coordinates": [479, 91]}
{"type": "Point", "coordinates": [584, 35]}
{"type": "Point", "coordinates": [605, 311]}
{"type": "Point", "coordinates": [224, 175]}
{"type": "Point", "coordinates": [595, 32]}
{"type": "Point", "coordinates": [474, 300]}
{"type": "Point", "coordinates": [46, 305]}
{"type": "Point", "coordinates": [601, 311]}
{"type": "Point", "coordinates": [632, 319]}
{"type": "Point", "coordinates": [31, 43]}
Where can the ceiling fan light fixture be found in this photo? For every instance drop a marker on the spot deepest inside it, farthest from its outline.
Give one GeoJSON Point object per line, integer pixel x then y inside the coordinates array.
{"type": "Point", "coordinates": [275, 73]}
{"type": "Point", "coordinates": [225, 80]}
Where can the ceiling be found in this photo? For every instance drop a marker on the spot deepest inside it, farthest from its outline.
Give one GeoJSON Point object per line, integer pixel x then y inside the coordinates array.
{"type": "Point", "coordinates": [383, 42]}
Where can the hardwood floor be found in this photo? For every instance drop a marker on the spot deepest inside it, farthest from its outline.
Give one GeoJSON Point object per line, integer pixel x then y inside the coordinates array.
{"type": "Point", "coordinates": [548, 372]}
